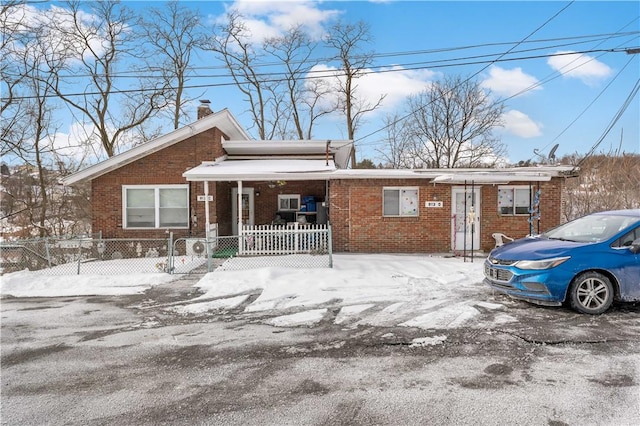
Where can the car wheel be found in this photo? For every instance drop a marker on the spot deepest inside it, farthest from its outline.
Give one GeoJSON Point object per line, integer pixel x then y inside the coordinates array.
{"type": "Point", "coordinates": [591, 293]}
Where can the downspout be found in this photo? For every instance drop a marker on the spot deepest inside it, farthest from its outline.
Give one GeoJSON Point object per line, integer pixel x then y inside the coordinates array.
{"type": "Point", "coordinates": [326, 152]}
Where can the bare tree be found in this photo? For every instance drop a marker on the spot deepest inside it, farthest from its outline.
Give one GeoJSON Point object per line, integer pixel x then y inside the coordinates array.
{"type": "Point", "coordinates": [349, 40]}
{"type": "Point", "coordinates": [37, 56]}
{"type": "Point", "coordinates": [294, 50]}
{"type": "Point", "coordinates": [101, 42]}
{"type": "Point", "coordinates": [607, 181]}
{"type": "Point", "coordinates": [316, 90]}
{"type": "Point", "coordinates": [451, 125]}
{"type": "Point", "coordinates": [398, 143]}
{"type": "Point", "coordinates": [232, 41]}
{"type": "Point", "coordinates": [12, 29]}
{"type": "Point", "coordinates": [175, 34]}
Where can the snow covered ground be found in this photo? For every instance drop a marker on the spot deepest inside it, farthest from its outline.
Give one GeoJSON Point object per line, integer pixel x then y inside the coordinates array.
{"type": "Point", "coordinates": [472, 358]}
{"type": "Point", "coordinates": [413, 290]}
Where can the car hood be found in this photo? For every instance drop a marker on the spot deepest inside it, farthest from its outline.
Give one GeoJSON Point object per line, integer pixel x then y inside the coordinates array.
{"type": "Point", "coordinates": [534, 248]}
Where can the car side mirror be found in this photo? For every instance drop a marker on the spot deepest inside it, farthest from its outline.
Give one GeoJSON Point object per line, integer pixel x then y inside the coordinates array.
{"type": "Point", "coordinates": [635, 246]}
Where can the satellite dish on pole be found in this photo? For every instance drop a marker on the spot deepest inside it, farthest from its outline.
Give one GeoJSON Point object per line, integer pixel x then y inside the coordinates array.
{"type": "Point", "coordinates": [552, 153]}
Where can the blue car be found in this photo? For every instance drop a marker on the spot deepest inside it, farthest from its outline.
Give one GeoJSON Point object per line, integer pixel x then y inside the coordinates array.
{"type": "Point", "coordinates": [589, 263]}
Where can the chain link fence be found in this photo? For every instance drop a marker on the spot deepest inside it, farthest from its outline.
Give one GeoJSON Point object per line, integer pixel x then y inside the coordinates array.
{"type": "Point", "coordinates": [86, 255]}
{"type": "Point", "coordinates": [99, 256]}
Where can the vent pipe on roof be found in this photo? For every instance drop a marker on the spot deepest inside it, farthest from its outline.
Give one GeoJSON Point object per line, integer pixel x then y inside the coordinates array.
{"type": "Point", "coordinates": [204, 109]}
{"type": "Point", "coordinates": [326, 154]}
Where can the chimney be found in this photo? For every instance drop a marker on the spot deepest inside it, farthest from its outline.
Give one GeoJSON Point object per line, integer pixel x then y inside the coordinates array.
{"type": "Point", "coordinates": [204, 109]}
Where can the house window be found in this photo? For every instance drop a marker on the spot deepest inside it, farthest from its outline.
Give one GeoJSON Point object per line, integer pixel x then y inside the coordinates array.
{"type": "Point", "coordinates": [514, 200]}
{"type": "Point", "coordinates": [288, 202]}
{"type": "Point", "coordinates": [400, 201]}
{"type": "Point", "coordinates": [147, 206]}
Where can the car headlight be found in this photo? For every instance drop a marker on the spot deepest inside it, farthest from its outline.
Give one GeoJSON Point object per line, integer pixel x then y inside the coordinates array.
{"type": "Point", "coordinates": [541, 264]}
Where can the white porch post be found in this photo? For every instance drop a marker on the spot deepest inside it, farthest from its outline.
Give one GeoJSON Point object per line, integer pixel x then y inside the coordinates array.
{"type": "Point", "coordinates": [206, 209]}
{"type": "Point", "coordinates": [239, 206]}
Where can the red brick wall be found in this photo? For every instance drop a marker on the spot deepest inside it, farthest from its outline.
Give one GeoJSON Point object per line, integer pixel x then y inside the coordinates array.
{"type": "Point", "coordinates": [518, 226]}
{"type": "Point", "coordinates": [163, 167]}
{"type": "Point", "coordinates": [359, 226]}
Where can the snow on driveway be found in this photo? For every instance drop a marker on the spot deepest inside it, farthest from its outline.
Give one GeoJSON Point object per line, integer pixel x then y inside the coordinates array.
{"type": "Point", "coordinates": [376, 289]}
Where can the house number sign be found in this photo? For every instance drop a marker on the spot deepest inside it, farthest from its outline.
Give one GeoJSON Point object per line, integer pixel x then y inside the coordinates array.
{"type": "Point", "coordinates": [433, 204]}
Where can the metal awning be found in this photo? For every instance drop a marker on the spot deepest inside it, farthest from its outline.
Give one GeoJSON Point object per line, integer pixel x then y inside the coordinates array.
{"type": "Point", "coordinates": [491, 178]}
{"type": "Point", "coordinates": [252, 170]}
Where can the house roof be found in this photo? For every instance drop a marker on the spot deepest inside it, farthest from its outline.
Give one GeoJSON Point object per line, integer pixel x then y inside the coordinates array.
{"type": "Point", "coordinates": [316, 169]}
{"type": "Point", "coordinates": [223, 120]}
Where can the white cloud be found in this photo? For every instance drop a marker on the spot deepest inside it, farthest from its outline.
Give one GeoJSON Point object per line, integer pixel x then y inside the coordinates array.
{"type": "Point", "coordinates": [396, 85]}
{"type": "Point", "coordinates": [54, 18]}
{"type": "Point", "coordinates": [75, 146]}
{"type": "Point", "coordinates": [265, 18]}
{"type": "Point", "coordinates": [510, 82]}
{"type": "Point", "coordinates": [521, 125]}
{"type": "Point", "coordinates": [576, 65]}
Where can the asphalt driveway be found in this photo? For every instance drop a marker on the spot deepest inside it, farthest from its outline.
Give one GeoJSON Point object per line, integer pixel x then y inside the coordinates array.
{"type": "Point", "coordinates": [138, 360]}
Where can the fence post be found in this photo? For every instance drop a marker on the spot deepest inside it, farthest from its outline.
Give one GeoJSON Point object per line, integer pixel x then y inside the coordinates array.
{"type": "Point", "coordinates": [46, 249]}
{"type": "Point", "coordinates": [208, 252]}
{"type": "Point", "coordinates": [330, 245]}
{"type": "Point", "coordinates": [296, 237]}
{"type": "Point", "coordinates": [79, 254]}
{"type": "Point", "coordinates": [170, 254]}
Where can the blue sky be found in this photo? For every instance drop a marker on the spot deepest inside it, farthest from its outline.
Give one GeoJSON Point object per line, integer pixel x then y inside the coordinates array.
{"type": "Point", "coordinates": [591, 95]}
{"type": "Point", "coordinates": [570, 100]}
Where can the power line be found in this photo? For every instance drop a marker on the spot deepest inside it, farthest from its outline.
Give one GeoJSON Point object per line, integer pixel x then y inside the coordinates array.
{"type": "Point", "coordinates": [411, 113]}
{"type": "Point", "coordinates": [614, 120]}
{"type": "Point", "coordinates": [583, 39]}
{"type": "Point", "coordinates": [323, 74]}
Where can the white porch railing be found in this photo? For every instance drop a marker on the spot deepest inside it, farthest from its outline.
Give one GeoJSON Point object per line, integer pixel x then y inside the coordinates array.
{"type": "Point", "coordinates": [292, 238]}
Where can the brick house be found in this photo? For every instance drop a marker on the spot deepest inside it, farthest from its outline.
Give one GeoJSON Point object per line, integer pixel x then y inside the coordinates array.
{"type": "Point", "coordinates": [211, 172]}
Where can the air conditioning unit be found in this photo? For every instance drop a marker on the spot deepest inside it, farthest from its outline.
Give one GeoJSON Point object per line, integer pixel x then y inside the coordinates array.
{"type": "Point", "coordinates": [196, 247]}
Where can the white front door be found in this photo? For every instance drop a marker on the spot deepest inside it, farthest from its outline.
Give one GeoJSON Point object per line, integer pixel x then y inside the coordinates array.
{"type": "Point", "coordinates": [465, 222]}
{"type": "Point", "coordinates": [246, 209]}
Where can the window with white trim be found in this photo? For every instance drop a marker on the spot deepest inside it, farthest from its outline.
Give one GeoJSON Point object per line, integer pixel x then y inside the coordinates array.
{"type": "Point", "coordinates": [400, 201]}
{"type": "Point", "coordinates": [288, 202]}
{"type": "Point", "coordinates": [514, 200]}
{"type": "Point", "coordinates": [155, 206]}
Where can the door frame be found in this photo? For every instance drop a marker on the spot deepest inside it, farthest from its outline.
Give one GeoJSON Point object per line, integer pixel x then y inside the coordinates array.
{"type": "Point", "coordinates": [234, 208]}
{"type": "Point", "coordinates": [473, 243]}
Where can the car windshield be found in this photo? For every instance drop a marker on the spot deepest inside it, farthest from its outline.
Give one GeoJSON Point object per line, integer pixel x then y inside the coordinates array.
{"type": "Point", "coordinates": [592, 228]}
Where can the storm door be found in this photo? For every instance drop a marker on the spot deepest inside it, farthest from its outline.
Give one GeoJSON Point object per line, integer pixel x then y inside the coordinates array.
{"type": "Point", "coordinates": [247, 209]}
{"type": "Point", "coordinates": [465, 219]}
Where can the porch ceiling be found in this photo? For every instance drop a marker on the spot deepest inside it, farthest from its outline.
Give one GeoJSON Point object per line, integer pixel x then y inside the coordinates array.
{"type": "Point", "coordinates": [251, 170]}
